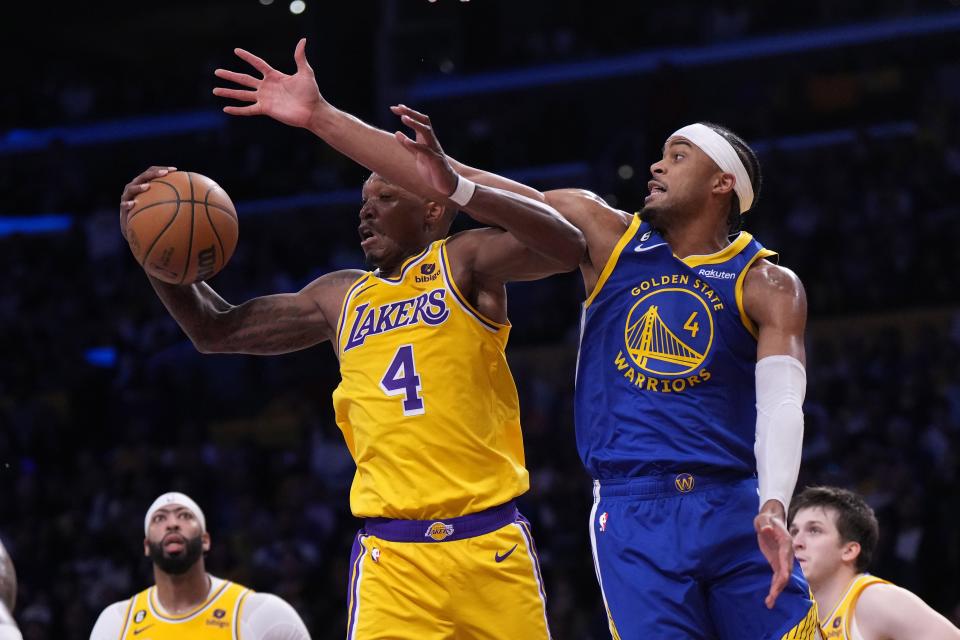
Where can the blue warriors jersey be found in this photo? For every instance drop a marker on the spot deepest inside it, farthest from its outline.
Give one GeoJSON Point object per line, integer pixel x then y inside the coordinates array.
{"type": "Point", "coordinates": [665, 373]}
{"type": "Point", "coordinates": [426, 403]}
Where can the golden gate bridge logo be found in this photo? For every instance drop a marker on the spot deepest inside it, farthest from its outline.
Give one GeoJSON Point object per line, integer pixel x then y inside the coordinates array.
{"type": "Point", "coordinates": [656, 347]}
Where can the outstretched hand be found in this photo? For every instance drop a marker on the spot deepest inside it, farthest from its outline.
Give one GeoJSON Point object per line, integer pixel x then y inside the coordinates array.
{"type": "Point", "coordinates": [292, 100]}
{"type": "Point", "coordinates": [777, 548]}
{"type": "Point", "coordinates": [432, 163]}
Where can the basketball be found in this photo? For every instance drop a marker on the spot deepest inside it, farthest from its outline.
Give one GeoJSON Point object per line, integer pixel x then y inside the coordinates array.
{"type": "Point", "coordinates": [183, 229]}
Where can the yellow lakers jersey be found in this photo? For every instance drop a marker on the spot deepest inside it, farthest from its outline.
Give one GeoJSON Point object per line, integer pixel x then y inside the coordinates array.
{"type": "Point", "coordinates": [838, 625]}
{"type": "Point", "coordinates": [426, 402]}
{"type": "Point", "coordinates": [216, 619]}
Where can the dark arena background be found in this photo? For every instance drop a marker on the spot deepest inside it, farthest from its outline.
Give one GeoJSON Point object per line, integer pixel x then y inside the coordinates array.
{"type": "Point", "coordinates": [853, 107]}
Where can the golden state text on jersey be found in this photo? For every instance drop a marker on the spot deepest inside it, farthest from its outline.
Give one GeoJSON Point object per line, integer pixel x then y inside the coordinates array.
{"type": "Point", "coordinates": [426, 402]}
{"type": "Point", "coordinates": [665, 374]}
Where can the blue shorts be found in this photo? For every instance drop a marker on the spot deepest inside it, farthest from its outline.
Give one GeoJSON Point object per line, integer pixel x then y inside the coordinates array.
{"type": "Point", "coordinates": [677, 557]}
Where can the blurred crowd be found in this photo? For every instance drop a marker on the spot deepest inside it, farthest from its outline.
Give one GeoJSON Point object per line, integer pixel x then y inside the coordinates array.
{"type": "Point", "coordinates": [104, 404]}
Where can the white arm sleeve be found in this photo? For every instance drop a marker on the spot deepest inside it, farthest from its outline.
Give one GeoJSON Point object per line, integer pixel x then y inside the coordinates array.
{"type": "Point", "coordinates": [781, 386]}
{"type": "Point", "coordinates": [266, 617]}
{"type": "Point", "coordinates": [8, 628]}
{"type": "Point", "coordinates": [9, 632]}
{"type": "Point", "coordinates": [110, 622]}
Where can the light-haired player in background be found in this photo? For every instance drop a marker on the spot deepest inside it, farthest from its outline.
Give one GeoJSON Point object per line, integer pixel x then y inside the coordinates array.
{"type": "Point", "coordinates": [834, 536]}
{"type": "Point", "coordinates": [186, 601]}
{"type": "Point", "coordinates": [8, 597]}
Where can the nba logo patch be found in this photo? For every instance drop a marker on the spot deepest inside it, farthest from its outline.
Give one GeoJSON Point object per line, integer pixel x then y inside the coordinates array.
{"type": "Point", "coordinates": [375, 554]}
{"type": "Point", "coordinates": [603, 521]}
{"type": "Point", "coordinates": [137, 619]}
{"type": "Point", "coordinates": [439, 531]}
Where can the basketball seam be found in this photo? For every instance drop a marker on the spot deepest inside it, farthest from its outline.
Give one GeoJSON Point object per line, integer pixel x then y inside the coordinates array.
{"type": "Point", "coordinates": [193, 216]}
{"type": "Point", "coordinates": [176, 212]}
{"type": "Point", "coordinates": [212, 204]}
{"type": "Point", "coordinates": [149, 206]}
{"type": "Point", "coordinates": [223, 254]}
{"type": "Point", "coordinates": [229, 212]}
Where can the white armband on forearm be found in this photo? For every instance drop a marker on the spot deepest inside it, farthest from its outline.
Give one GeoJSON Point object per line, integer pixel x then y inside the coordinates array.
{"type": "Point", "coordinates": [781, 386]}
{"type": "Point", "coordinates": [464, 191]}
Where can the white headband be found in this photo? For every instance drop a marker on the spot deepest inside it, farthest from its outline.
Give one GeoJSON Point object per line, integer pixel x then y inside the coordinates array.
{"type": "Point", "coordinates": [722, 152]}
{"type": "Point", "coordinates": [174, 497]}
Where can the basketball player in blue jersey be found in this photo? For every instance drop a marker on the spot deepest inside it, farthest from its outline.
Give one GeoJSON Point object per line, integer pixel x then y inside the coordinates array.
{"type": "Point", "coordinates": [690, 378]}
{"type": "Point", "coordinates": [835, 534]}
{"type": "Point", "coordinates": [8, 597]}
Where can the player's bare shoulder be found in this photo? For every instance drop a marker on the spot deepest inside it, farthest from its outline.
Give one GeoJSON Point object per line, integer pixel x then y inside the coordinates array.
{"type": "Point", "coordinates": [329, 290]}
{"type": "Point", "coordinates": [769, 278]}
{"type": "Point", "coordinates": [327, 294]}
{"type": "Point", "coordinates": [774, 297]}
{"type": "Point", "coordinates": [601, 225]}
{"type": "Point", "coordinates": [582, 207]}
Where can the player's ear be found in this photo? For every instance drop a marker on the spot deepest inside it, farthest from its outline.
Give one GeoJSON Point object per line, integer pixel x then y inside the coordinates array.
{"type": "Point", "coordinates": [146, 548]}
{"type": "Point", "coordinates": [850, 551]}
{"type": "Point", "coordinates": [205, 538]}
{"type": "Point", "coordinates": [435, 214]}
{"type": "Point", "coordinates": [724, 183]}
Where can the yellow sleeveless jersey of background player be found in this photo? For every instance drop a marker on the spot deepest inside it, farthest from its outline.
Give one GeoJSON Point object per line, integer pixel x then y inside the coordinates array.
{"type": "Point", "coordinates": [215, 619]}
{"type": "Point", "coordinates": [426, 402]}
{"type": "Point", "coordinates": [839, 626]}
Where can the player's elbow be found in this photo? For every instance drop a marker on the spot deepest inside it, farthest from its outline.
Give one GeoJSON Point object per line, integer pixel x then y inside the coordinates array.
{"type": "Point", "coordinates": [571, 252]}
{"type": "Point", "coordinates": [212, 335]}
{"type": "Point", "coordinates": [203, 343]}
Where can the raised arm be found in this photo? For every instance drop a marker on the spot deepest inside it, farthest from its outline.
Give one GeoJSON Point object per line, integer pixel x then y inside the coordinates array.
{"type": "Point", "coordinates": [530, 222]}
{"type": "Point", "coordinates": [266, 325]}
{"type": "Point", "coordinates": [774, 299]}
{"type": "Point", "coordinates": [296, 100]}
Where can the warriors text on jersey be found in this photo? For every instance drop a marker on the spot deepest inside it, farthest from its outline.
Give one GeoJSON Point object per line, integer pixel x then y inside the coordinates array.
{"type": "Point", "coordinates": [665, 374]}
{"type": "Point", "coordinates": [427, 404]}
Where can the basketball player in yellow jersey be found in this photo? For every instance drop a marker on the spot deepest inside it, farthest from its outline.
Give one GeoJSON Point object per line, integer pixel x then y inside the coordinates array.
{"type": "Point", "coordinates": [834, 536]}
{"type": "Point", "coordinates": [186, 601]}
{"type": "Point", "coordinates": [427, 404]}
{"type": "Point", "coordinates": [8, 597]}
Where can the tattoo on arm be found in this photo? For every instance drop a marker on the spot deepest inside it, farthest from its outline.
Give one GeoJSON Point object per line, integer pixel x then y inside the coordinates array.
{"type": "Point", "coordinates": [273, 325]}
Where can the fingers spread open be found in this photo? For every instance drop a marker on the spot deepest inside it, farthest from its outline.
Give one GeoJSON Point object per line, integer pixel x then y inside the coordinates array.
{"type": "Point", "coordinates": [249, 110]}
{"type": "Point", "coordinates": [404, 110]}
{"type": "Point", "coordinates": [236, 94]}
{"type": "Point", "coordinates": [300, 56]}
{"type": "Point", "coordinates": [255, 61]}
{"type": "Point", "coordinates": [239, 78]}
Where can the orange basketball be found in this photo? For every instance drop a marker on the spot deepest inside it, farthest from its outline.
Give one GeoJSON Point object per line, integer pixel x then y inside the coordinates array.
{"type": "Point", "coordinates": [183, 229]}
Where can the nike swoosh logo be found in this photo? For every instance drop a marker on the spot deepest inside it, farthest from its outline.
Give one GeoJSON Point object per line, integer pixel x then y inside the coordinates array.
{"type": "Point", "coordinates": [501, 558]}
{"type": "Point", "coordinates": [639, 249]}
{"type": "Point", "coordinates": [138, 631]}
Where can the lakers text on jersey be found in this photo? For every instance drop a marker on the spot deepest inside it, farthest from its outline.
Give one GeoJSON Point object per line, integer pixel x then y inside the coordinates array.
{"type": "Point", "coordinates": [426, 404]}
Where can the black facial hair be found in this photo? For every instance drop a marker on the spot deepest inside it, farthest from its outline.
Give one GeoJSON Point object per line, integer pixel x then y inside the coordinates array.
{"type": "Point", "coordinates": [180, 563]}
